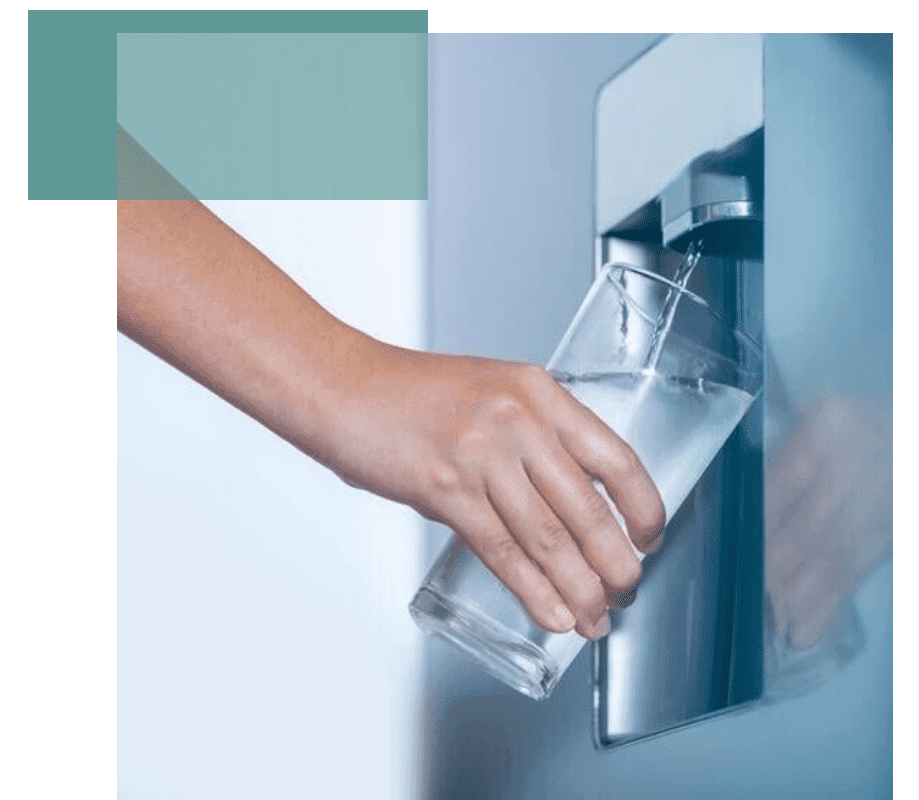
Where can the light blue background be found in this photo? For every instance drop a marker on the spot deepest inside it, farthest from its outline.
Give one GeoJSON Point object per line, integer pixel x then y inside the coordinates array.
{"type": "Point", "coordinates": [510, 256]}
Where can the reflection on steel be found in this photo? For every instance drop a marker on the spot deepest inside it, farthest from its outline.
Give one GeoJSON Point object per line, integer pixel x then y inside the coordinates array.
{"type": "Point", "coordinates": [693, 219]}
{"type": "Point", "coordinates": [691, 645]}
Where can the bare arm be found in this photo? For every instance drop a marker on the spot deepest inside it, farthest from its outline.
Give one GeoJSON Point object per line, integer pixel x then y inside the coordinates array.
{"type": "Point", "coordinates": [496, 450]}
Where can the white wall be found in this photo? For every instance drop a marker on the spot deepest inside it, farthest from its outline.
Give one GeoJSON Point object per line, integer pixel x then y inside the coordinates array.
{"type": "Point", "coordinates": [264, 645]}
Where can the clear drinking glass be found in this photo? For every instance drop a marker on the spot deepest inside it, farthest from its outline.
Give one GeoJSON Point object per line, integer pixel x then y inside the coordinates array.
{"type": "Point", "coordinates": [669, 377]}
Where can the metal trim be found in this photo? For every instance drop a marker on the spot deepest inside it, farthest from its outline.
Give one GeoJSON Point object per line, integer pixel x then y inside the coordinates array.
{"type": "Point", "coordinates": [712, 212]}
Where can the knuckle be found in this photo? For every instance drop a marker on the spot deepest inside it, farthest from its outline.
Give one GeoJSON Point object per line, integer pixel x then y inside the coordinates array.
{"type": "Point", "coordinates": [503, 553]}
{"type": "Point", "coordinates": [629, 463]}
{"type": "Point", "coordinates": [442, 480]}
{"type": "Point", "coordinates": [505, 411]}
{"type": "Point", "coordinates": [534, 375]}
{"type": "Point", "coordinates": [469, 446]}
{"type": "Point", "coordinates": [620, 459]}
{"type": "Point", "coordinates": [554, 537]}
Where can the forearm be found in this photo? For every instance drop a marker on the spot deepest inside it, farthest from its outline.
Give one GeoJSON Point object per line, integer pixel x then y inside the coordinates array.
{"type": "Point", "coordinates": [206, 301]}
{"type": "Point", "coordinates": [498, 451]}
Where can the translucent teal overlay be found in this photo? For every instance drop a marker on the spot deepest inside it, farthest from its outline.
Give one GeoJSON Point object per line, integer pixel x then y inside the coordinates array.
{"type": "Point", "coordinates": [140, 177]}
{"type": "Point", "coordinates": [324, 116]}
{"type": "Point", "coordinates": [233, 104]}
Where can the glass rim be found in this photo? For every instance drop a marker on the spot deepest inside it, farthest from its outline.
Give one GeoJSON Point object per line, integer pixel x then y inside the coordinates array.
{"type": "Point", "coordinates": [607, 268]}
{"type": "Point", "coordinates": [654, 276]}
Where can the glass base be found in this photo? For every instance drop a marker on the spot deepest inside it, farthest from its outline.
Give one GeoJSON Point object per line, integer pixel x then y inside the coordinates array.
{"type": "Point", "coordinates": [500, 652]}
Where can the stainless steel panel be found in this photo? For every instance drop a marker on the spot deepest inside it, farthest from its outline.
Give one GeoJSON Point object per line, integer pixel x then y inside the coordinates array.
{"type": "Point", "coordinates": [691, 645]}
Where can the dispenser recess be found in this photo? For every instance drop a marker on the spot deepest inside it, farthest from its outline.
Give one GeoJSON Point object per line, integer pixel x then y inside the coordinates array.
{"type": "Point", "coordinates": [679, 159]}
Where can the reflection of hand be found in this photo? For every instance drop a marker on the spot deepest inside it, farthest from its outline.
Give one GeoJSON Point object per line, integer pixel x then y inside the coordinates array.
{"type": "Point", "coordinates": [498, 451]}
{"type": "Point", "coordinates": [505, 456]}
{"type": "Point", "coordinates": [828, 516]}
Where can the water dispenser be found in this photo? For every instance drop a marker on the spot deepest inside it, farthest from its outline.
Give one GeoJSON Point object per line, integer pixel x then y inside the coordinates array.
{"type": "Point", "coordinates": [679, 162]}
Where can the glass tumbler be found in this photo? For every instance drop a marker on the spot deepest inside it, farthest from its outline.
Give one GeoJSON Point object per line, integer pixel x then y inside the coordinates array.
{"type": "Point", "coordinates": [671, 379]}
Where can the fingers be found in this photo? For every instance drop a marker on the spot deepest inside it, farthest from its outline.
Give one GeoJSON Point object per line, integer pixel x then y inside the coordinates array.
{"type": "Point", "coordinates": [605, 456]}
{"type": "Point", "coordinates": [569, 492]}
{"type": "Point", "coordinates": [486, 535]}
{"type": "Point", "coordinates": [548, 542]}
{"type": "Point", "coordinates": [516, 483]}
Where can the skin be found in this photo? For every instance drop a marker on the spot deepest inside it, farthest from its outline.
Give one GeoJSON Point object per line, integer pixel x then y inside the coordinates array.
{"type": "Point", "coordinates": [496, 450]}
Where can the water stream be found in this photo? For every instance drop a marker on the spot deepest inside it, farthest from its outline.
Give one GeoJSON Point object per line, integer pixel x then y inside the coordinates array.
{"type": "Point", "coordinates": [681, 278]}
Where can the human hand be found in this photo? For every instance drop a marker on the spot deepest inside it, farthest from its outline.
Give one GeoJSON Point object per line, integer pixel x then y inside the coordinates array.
{"type": "Point", "coordinates": [505, 456]}
{"type": "Point", "coordinates": [500, 452]}
{"type": "Point", "coordinates": [828, 515]}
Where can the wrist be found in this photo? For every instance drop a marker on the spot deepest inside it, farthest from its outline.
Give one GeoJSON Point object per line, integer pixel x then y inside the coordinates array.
{"type": "Point", "coordinates": [342, 399]}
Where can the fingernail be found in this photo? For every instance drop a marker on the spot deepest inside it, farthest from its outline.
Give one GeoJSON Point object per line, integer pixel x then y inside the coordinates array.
{"type": "Point", "coordinates": [653, 543]}
{"type": "Point", "coordinates": [564, 618]}
{"type": "Point", "coordinates": [603, 627]}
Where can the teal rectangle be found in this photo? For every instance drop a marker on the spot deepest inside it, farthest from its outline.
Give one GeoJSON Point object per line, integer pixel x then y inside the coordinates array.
{"type": "Point", "coordinates": [73, 85]}
{"type": "Point", "coordinates": [290, 116]}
